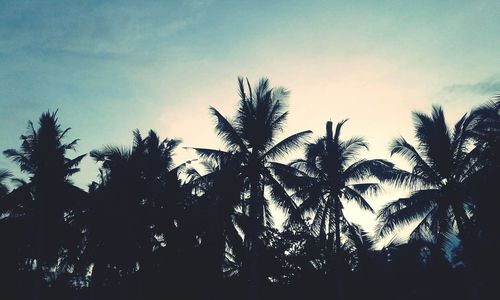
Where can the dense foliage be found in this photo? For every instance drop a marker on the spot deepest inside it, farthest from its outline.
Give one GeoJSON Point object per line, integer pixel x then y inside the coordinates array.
{"type": "Point", "coordinates": [205, 229]}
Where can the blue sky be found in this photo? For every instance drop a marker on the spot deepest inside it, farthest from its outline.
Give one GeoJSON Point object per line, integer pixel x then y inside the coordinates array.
{"type": "Point", "coordinates": [113, 66]}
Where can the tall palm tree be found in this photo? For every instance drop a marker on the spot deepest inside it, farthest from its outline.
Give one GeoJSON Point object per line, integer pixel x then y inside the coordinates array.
{"type": "Point", "coordinates": [440, 181]}
{"type": "Point", "coordinates": [217, 211]}
{"type": "Point", "coordinates": [486, 140]}
{"type": "Point", "coordinates": [47, 205]}
{"type": "Point", "coordinates": [250, 139]}
{"type": "Point", "coordinates": [163, 191]}
{"type": "Point", "coordinates": [133, 208]}
{"type": "Point", "coordinates": [331, 172]}
{"type": "Point", "coordinates": [42, 152]}
{"type": "Point", "coordinates": [486, 150]}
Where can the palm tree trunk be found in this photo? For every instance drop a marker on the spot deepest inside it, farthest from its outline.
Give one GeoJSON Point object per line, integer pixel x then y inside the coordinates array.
{"type": "Point", "coordinates": [338, 261]}
{"type": "Point", "coordinates": [337, 225]}
{"type": "Point", "coordinates": [337, 214]}
{"type": "Point", "coordinates": [41, 213]}
{"type": "Point", "coordinates": [256, 196]}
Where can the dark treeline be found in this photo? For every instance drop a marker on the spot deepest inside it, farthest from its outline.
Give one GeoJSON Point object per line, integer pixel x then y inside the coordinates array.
{"type": "Point", "coordinates": [150, 229]}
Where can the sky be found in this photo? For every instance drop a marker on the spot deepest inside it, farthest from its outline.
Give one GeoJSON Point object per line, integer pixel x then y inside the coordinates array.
{"type": "Point", "coordinates": [113, 66]}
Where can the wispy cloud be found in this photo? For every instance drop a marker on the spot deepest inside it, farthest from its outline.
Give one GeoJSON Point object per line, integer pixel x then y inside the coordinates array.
{"type": "Point", "coordinates": [489, 86]}
{"type": "Point", "coordinates": [98, 29]}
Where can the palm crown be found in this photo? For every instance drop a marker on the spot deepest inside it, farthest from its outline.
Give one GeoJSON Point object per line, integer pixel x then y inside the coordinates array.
{"type": "Point", "coordinates": [442, 168]}
{"type": "Point", "coordinates": [42, 152]}
{"type": "Point", "coordinates": [331, 171]}
{"type": "Point", "coordinates": [251, 139]}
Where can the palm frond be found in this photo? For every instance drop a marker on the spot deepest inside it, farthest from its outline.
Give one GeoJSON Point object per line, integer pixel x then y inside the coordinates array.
{"type": "Point", "coordinates": [405, 211]}
{"type": "Point", "coordinates": [423, 232]}
{"type": "Point", "coordinates": [74, 162]}
{"type": "Point", "coordinates": [138, 141]}
{"type": "Point", "coordinates": [367, 189]}
{"type": "Point", "coordinates": [434, 140]}
{"type": "Point", "coordinates": [350, 148]}
{"type": "Point", "coordinates": [362, 169]}
{"type": "Point", "coordinates": [288, 144]}
{"type": "Point", "coordinates": [337, 131]}
{"type": "Point", "coordinates": [289, 177]}
{"type": "Point", "coordinates": [353, 195]}
{"type": "Point", "coordinates": [218, 156]}
{"type": "Point", "coordinates": [279, 195]}
{"type": "Point", "coordinates": [401, 147]}
{"type": "Point", "coordinates": [306, 167]}
{"type": "Point", "coordinates": [241, 88]}
{"type": "Point", "coordinates": [71, 145]}
{"type": "Point", "coordinates": [111, 153]}
{"type": "Point", "coordinates": [227, 132]}
{"type": "Point", "coordinates": [277, 122]}
{"type": "Point", "coordinates": [24, 162]}
{"type": "Point", "coordinates": [402, 178]}
{"type": "Point", "coordinates": [4, 174]}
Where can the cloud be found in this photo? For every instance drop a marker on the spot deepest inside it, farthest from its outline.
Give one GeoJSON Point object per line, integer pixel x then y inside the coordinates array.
{"type": "Point", "coordinates": [489, 86]}
{"type": "Point", "coordinates": [94, 29]}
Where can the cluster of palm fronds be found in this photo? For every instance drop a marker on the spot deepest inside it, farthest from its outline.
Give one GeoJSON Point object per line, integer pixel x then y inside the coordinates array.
{"type": "Point", "coordinates": [149, 228]}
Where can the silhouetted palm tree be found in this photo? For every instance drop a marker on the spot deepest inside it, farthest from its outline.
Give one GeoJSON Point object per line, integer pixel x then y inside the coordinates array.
{"type": "Point", "coordinates": [486, 153]}
{"type": "Point", "coordinates": [486, 132]}
{"type": "Point", "coordinates": [440, 180]}
{"type": "Point", "coordinates": [217, 210]}
{"type": "Point", "coordinates": [251, 140]}
{"type": "Point", "coordinates": [331, 172]}
{"type": "Point", "coordinates": [163, 191]}
{"type": "Point", "coordinates": [46, 206]}
{"type": "Point", "coordinates": [134, 207]}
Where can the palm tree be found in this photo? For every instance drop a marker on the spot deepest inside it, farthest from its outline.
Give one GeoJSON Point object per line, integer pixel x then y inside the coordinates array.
{"type": "Point", "coordinates": [162, 185]}
{"type": "Point", "coordinates": [215, 215]}
{"type": "Point", "coordinates": [134, 208]}
{"type": "Point", "coordinates": [47, 205]}
{"type": "Point", "coordinates": [441, 178]}
{"type": "Point", "coordinates": [331, 172]}
{"type": "Point", "coordinates": [42, 152]}
{"type": "Point", "coordinates": [486, 132]}
{"type": "Point", "coordinates": [250, 140]}
{"type": "Point", "coordinates": [486, 141]}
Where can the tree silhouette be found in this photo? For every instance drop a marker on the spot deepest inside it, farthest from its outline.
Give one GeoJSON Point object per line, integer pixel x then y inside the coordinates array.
{"type": "Point", "coordinates": [148, 228]}
{"type": "Point", "coordinates": [132, 216]}
{"type": "Point", "coordinates": [441, 200]}
{"type": "Point", "coordinates": [43, 209]}
{"type": "Point", "coordinates": [218, 210]}
{"type": "Point", "coordinates": [331, 171]}
{"type": "Point", "coordinates": [485, 154]}
{"type": "Point", "coordinates": [486, 137]}
{"type": "Point", "coordinates": [250, 140]}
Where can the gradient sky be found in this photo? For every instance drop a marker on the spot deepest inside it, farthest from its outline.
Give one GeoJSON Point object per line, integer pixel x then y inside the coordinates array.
{"type": "Point", "coordinates": [113, 66]}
